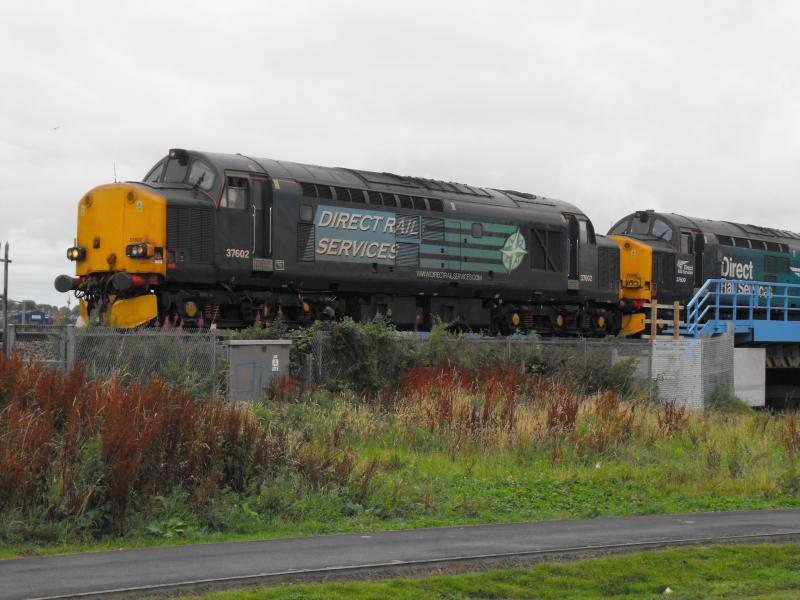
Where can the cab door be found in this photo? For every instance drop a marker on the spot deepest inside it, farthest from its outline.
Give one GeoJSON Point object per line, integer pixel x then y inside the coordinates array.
{"type": "Point", "coordinates": [573, 249]}
{"type": "Point", "coordinates": [587, 254]}
{"type": "Point", "coordinates": [261, 204]}
{"type": "Point", "coordinates": [235, 230]}
{"type": "Point", "coordinates": [686, 268]}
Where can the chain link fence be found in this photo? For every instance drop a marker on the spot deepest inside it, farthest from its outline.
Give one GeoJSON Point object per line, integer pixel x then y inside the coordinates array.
{"type": "Point", "coordinates": [189, 359]}
{"type": "Point", "coordinates": [326, 362]}
{"type": "Point", "coordinates": [684, 371]}
{"type": "Point", "coordinates": [42, 344]}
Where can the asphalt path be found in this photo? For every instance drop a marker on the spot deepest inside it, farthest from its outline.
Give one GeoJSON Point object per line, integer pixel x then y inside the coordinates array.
{"type": "Point", "coordinates": [148, 571]}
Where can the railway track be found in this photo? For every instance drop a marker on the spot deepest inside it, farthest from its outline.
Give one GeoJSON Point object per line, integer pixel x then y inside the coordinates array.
{"type": "Point", "coordinates": [197, 568]}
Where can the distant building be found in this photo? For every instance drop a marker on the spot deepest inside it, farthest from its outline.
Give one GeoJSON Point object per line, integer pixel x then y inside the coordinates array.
{"type": "Point", "coordinates": [32, 317]}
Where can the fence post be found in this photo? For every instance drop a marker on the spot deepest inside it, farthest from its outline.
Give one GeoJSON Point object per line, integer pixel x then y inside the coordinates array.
{"type": "Point", "coordinates": [318, 355]}
{"type": "Point", "coordinates": [308, 372]}
{"type": "Point", "coordinates": [653, 318]}
{"type": "Point", "coordinates": [651, 347]}
{"type": "Point", "coordinates": [12, 337]}
{"type": "Point", "coordinates": [676, 325]}
{"type": "Point", "coordinates": [212, 339]}
{"type": "Point", "coordinates": [69, 347]}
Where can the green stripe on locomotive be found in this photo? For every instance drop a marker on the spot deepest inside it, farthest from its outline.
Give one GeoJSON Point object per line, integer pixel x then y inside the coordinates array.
{"type": "Point", "coordinates": [460, 246]}
{"type": "Point", "coordinates": [757, 265]}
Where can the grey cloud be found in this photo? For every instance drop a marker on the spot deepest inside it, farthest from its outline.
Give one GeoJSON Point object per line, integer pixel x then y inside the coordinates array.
{"type": "Point", "coordinates": [682, 106]}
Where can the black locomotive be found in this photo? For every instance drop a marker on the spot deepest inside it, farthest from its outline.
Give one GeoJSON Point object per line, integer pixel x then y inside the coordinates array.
{"type": "Point", "coordinates": [226, 240]}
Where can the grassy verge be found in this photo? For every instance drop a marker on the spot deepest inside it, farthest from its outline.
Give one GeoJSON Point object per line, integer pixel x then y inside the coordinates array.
{"type": "Point", "coordinates": [96, 466]}
{"type": "Point", "coordinates": [766, 572]}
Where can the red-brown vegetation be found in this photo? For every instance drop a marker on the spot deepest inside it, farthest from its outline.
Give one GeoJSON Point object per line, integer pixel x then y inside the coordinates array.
{"type": "Point", "coordinates": [69, 446]}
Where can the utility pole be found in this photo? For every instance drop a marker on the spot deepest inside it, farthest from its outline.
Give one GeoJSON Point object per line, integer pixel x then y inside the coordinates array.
{"type": "Point", "coordinates": [5, 262]}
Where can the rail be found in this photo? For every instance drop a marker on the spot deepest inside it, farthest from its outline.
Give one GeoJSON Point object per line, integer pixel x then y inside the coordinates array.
{"type": "Point", "coordinates": [759, 310]}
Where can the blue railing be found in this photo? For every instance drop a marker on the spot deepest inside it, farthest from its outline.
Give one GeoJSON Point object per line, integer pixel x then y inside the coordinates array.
{"type": "Point", "coordinates": [765, 310]}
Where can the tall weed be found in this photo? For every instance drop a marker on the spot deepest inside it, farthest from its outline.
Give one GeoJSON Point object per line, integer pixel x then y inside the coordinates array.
{"type": "Point", "coordinates": [97, 450]}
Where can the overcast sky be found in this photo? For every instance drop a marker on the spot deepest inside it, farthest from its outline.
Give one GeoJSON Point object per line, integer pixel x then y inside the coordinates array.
{"type": "Point", "coordinates": [691, 107]}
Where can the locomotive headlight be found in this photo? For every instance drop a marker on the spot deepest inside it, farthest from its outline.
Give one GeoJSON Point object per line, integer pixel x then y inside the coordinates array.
{"type": "Point", "coordinates": [138, 251]}
{"type": "Point", "coordinates": [76, 253]}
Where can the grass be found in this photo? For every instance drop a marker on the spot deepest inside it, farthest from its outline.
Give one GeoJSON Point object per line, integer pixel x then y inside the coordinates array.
{"type": "Point", "coordinates": [767, 572]}
{"type": "Point", "coordinates": [448, 447]}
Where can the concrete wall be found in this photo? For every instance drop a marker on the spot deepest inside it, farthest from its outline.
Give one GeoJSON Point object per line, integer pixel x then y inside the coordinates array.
{"type": "Point", "coordinates": [686, 371]}
{"type": "Point", "coordinates": [750, 375]}
{"type": "Point", "coordinates": [675, 369]}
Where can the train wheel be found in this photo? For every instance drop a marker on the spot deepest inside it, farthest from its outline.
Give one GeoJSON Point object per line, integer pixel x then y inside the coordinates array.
{"type": "Point", "coordinates": [558, 322]}
{"type": "Point", "coordinates": [600, 323]}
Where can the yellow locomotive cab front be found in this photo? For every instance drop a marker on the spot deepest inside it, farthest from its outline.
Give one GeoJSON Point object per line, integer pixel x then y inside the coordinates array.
{"type": "Point", "coordinates": [119, 253]}
{"type": "Point", "coordinates": [636, 272]}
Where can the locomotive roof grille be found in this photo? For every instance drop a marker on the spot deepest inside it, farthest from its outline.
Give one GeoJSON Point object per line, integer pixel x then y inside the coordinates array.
{"type": "Point", "coordinates": [312, 190]}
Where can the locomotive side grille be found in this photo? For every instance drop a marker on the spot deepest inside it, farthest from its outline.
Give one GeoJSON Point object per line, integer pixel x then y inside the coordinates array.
{"type": "Point", "coordinates": [190, 230]}
{"type": "Point", "coordinates": [418, 203]}
{"type": "Point", "coordinates": [663, 273]}
{"type": "Point", "coordinates": [342, 195]}
{"type": "Point", "coordinates": [407, 255]}
{"type": "Point", "coordinates": [305, 242]}
{"type": "Point", "coordinates": [172, 228]}
{"type": "Point", "coordinates": [436, 204]}
{"type": "Point", "coordinates": [324, 191]}
{"type": "Point", "coordinates": [185, 229]}
{"type": "Point", "coordinates": [357, 195]}
{"type": "Point", "coordinates": [432, 229]}
{"type": "Point", "coordinates": [607, 268]}
{"type": "Point", "coordinates": [407, 227]}
{"type": "Point", "coordinates": [776, 264]}
{"type": "Point", "coordinates": [309, 189]}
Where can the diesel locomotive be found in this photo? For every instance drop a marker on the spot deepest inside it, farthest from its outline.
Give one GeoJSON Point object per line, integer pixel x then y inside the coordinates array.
{"type": "Point", "coordinates": [668, 257]}
{"type": "Point", "coordinates": [227, 240]}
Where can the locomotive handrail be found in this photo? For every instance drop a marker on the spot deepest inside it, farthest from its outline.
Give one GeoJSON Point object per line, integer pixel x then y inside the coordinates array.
{"type": "Point", "coordinates": [743, 303]}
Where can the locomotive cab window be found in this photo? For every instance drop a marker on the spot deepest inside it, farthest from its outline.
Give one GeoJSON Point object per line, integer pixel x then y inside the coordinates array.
{"type": "Point", "coordinates": [620, 228]}
{"type": "Point", "coordinates": [176, 170]}
{"type": "Point", "coordinates": [686, 242]}
{"type": "Point", "coordinates": [662, 230]}
{"type": "Point", "coordinates": [235, 193]}
{"type": "Point", "coordinates": [586, 232]}
{"type": "Point", "coordinates": [201, 175]}
{"type": "Point", "coordinates": [154, 176]}
{"type": "Point", "coordinates": [639, 227]}
{"type": "Point", "coordinates": [583, 232]}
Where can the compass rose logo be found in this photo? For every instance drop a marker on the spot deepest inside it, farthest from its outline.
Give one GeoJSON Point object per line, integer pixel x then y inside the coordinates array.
{"type": "Point", "coordinates": [513, 251]}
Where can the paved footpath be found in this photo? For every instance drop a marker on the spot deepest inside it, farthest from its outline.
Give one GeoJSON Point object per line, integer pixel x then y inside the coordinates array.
{"type": "Point", "coordinates": [203, 566]}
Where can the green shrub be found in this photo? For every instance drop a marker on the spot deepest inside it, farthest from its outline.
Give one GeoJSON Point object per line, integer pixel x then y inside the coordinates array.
{"type": "Point", "coordinates": [367, 356]}
{"type": "Point", "coordinates": [724, 400]}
